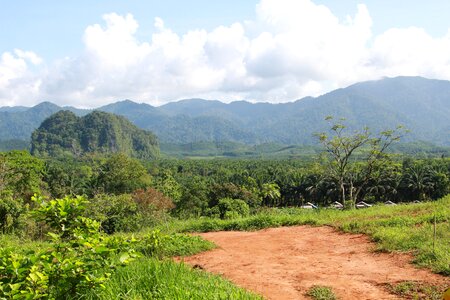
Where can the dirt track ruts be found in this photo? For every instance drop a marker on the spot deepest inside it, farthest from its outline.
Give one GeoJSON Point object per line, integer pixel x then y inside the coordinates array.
{"type": "Point", "coordinates": [282, 263]}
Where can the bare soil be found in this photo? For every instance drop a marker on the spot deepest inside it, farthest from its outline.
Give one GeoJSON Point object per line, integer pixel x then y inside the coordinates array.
{"type": "Point", "coordinates": [283, 263]}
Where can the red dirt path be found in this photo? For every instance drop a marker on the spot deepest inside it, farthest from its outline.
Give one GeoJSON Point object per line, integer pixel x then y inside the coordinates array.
{"type": "Point", "coordinates": [283, 263]}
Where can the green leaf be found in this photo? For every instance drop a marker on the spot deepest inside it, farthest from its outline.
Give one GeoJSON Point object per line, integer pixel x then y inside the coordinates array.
{"type": "Point", "coordinates": [124, 258]}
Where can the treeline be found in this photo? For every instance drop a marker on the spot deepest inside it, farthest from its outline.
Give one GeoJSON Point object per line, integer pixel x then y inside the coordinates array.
{"type": "Point", "coordinates": [127, 194]}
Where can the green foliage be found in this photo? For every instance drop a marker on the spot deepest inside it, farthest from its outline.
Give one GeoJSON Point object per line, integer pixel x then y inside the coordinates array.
{"type": "Point", "coordinates": [194, 198]}
{"type": "Point", "coordinates": [10, 212]}
{"type": "Point", "coordinates": [98, 132]}
{"type": "Point", "coordinates": [234, 191]}
{"type": "Point", "coordinates": [270, 193]}
{"type": "Point", "coordinates": [20, 174]}
{"type": "Point", "coordinates": [166, 184]}
{"type": "Point", "coordinates": [130, 212]}
{"type": "Point", "coordinates": [183, 245]}
{"type": "Point", "coordinates": [157, 244]}
{"type": "Point", "coordinates": [67, 176]}
{"type": "Point", "coordinates": [201, 150]}
{"type": "Point", "coordinates": [319, 292]}
{"type": "Point", "coordinates": [120, 174]}
{"type": "Point", "coordinates": [341, 147]}
{"type": "Point", "coordinates": [228, 208]}
{"type": "Point", "coordinates": [64, 216]}
{"type": "Point", "coordinates": [79, 257]}
{"type": "Point", "coordinates": [153, 279]}
{"type": "Point", "coordinates": [74, 267]}
{"type": "Point", "coordinates": [114, 212]}
{"type": "Point", "coordinates": [20, 177]}
{"type": "Point", "coordinates": [66, 268]}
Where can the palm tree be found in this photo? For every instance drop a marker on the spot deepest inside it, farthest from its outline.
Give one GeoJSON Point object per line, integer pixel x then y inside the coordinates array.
{"type": "Point", "coordinates": [419, 178]}
{"type": "Point", "coordinates": [270, 193]}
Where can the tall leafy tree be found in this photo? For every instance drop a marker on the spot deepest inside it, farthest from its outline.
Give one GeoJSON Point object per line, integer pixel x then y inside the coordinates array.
{"type": "Point", "coordinates": [120, 174]}
{"type": "Point", "coordinates": [21, 174]}
{"type": "Point", "coordinates": [342, 146]}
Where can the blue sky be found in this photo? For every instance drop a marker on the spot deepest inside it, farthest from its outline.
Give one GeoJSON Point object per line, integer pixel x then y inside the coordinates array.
{"type": "Point", "coordinates": [264, 50]}
{"type": "Point", "coordinates": [54, 28]}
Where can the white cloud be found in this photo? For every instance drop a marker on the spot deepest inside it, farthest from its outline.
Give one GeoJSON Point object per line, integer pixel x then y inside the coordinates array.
{"type": "Point", "coordinates": [411, 51]}
{"type": "Point", "coordinates": [18, 85]}
{"type": "Point", "coordinates": [293, 48]}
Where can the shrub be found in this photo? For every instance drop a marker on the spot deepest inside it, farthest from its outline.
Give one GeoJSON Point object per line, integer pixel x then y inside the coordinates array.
{"type": "Point", "coordinates": [79, 257]}
{"type": "Point", "coordinates": [115, 213]}
{"type": "Point", "coordinates": [64, 216]}
{"type": "Point", "coordinates": [152, 205]}
{"type": "Point", "coordinates": [232, 208]}
{"type": "Point", "coordinates": [10, 212]}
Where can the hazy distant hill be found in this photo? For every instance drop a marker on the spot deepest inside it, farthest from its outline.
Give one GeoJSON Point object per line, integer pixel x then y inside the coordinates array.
{"type": "Point", "coordinates": [180, 127]}
{"type": "Point", "coordinates": [422, 105]}
{"type": "Point", "coordinates": [19, 122]}
{"type": "Point", "coordinates": [97, 132]}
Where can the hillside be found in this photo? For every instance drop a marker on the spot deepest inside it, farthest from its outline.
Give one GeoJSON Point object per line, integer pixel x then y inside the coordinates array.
{"type": "Point", "coordinates": [97, 132]}
{"type": "Point", "coordinates": [422, 105]}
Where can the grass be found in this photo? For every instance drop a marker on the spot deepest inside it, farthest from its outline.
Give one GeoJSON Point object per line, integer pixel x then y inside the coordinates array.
{"type": "Point", "coordinates": [156, 277]}
{"type": "Point", "coordinates": [21, 244]}
{"type": "Point", "coordinates": [174, 244]}
{"type": "Point", "coordinates": [319, 292]}
{"type": "Point", "coordinates": [406, 228]}
{"type": "Point", "coordinates": [150, 278]}
{"type": "Point", "coordinates": [417, 290]}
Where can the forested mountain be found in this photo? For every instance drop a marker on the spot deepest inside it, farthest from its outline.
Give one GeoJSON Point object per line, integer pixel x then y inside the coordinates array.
{"type": "Point", "coordinates": [422, 105]}
{"type": "Point", "coordinates": [97, 132]}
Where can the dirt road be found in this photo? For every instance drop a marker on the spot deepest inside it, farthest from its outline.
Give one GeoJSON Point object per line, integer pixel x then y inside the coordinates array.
{"type": "Point", "coordinates": [282, 263]}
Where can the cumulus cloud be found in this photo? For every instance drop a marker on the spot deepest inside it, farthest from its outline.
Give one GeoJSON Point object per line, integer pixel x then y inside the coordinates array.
{"type": "Point", "coordinates": [19, 85]}
{"type": "Point", "coordinates": [292, 49]}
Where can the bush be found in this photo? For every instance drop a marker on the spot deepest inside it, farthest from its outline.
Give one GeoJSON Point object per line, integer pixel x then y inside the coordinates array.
{"type": "Point", "coordinates": [130, 212]}
{"type": "Point", "coordinates": [115, 213]}
{"type": "Point", "coordinates": [78, 259]}
{"type": "Point", "coordinates": [10, 212]}
{"type": "Point", "coordinates": [229, 209]}
{"type": "Point", "coordinates": [152, 205]}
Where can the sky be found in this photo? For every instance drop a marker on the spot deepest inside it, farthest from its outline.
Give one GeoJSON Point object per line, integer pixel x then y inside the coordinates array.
{"type": "Point", "coordinates": [90, 53]}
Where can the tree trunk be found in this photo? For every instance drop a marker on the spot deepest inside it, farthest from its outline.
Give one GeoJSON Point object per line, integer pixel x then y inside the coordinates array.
{"type": "Point", "coordinates": [352, 201]}
{"type": "Point", "coordinates": [343, 193]}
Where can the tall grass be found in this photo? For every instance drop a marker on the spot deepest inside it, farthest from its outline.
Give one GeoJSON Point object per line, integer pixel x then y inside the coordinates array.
{"type": "Point", "coordinates": [155, 279]}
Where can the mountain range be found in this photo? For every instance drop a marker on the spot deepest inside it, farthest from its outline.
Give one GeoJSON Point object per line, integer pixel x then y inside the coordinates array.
{"type": "Point", "coordinates": [421, 105]}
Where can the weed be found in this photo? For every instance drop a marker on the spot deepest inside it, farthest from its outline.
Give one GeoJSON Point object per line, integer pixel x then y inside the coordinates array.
{"type": "Point", "coordinates": [417, 290]}
{"type": "Point", "coordinates": [319, 292]}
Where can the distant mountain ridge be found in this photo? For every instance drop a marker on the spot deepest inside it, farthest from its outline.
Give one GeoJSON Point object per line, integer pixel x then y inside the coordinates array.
{"type": "Point", "coordinates": [420, 104]}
